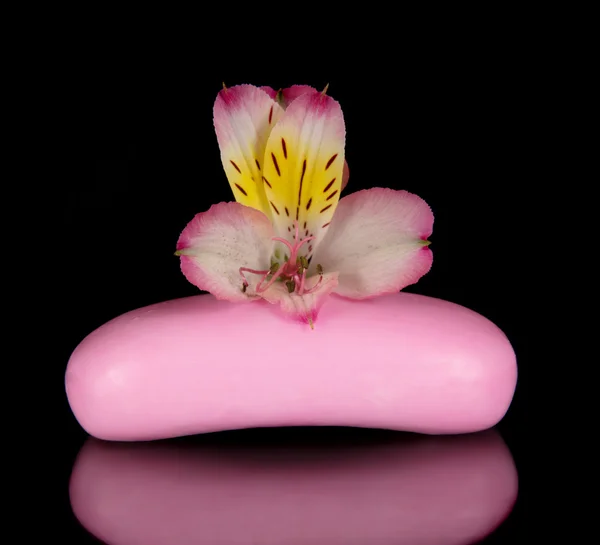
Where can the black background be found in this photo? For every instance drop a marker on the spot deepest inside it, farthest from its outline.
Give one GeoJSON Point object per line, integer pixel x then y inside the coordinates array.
{"type": "Point", "coordinates": [448, 122]}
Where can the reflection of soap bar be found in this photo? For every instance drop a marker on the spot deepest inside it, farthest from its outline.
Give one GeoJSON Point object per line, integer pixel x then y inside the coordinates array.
{"type": "Point", "coordinates": [403, 491]}
{"type": "Point", "coordinates": [195, 365]}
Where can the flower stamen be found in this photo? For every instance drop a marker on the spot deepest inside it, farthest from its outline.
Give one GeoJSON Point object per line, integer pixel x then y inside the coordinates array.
{"type": "Point", "coordinates": [314, 288]}
{"type": "Point", "coordinates": [302, 279]}
{"type": "Point", "coordinates": [292, 272]}
{"type": "Point", "coordinates": [260, 288]}
{"type": "Point", "coordinates": [245, 283]}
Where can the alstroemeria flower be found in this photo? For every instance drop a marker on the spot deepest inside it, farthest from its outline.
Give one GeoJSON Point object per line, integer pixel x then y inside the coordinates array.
{"type": "Point", "coordinates": [289, 238]}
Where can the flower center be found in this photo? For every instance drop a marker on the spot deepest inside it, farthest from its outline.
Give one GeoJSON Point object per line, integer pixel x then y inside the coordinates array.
{"type": "Point", "coordinates": [292, 272]}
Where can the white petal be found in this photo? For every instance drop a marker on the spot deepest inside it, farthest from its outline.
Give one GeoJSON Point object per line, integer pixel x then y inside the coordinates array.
{"type": "Point", "coordinates": [304, 308]}
{"type": "Point", "coordinates": [377, 241]}
{"type": "Point", "coordinates": [216, 243]}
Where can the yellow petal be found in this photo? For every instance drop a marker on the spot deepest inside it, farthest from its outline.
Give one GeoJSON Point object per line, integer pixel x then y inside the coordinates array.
{"type": "Point", "coordinates": [244, 116]}
{"type": "Point", "coordinates": [303, 166]}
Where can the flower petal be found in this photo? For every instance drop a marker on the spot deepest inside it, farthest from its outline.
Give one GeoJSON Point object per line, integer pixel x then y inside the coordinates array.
{"type": "Point", "coordinates": [302, 307]}
{"type": "Point", "coordinates": [304, 162]}
{"type": "Point", "coordinates": [345, 175]}
{"type": "Point", "coordinates": [377, 242]}
{"type": "Point", "coordinates": [216, 243]}
{"type": "Point", "coordinates": [270, 91]}
{"type": "Point", "coordinates": [285, 97]}
{"type": "Point", "coordinates": [244, 116]}
{"type": "Point", "coordinates": [292, 93]}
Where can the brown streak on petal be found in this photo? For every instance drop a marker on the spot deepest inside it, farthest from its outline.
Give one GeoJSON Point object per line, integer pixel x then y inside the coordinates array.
{"type": "Point", "coordinates": [275, 163]}
{"type": "Point", "coordinates": [305, 225]}
{"type": "Point", "coordinates": [270, 114]}
{"type": "Point", "coordinates": [284, 148]}
{"type": "Point", "coordinates": [235, 166]}
{"type": "Point", "coordinates": [297, 212]}
{"type": "Point", "coordinates": [309, 203]}
{"type": "Point", "coordinates": [287, 212]}
{"type": "Point", "coordinates": [326, 208]}
{"type": "Point", "coordinates": [310, 247]}
{"type": "Point", "coordinates": [330, 161]}
{"type": "Point", "coordinates": [257, 163]}
{"type": "Point", "coordinates": [241, 189]}
{"type": "Point", "coordinates": [306, 234]}
{"type": "Point", "coordinates": [274, 208]}
{"type": "Point", "coordinates": [301, 181]}
{"type": "Point", "coordinates": [328, 186]}
{"type": "Point", "coordinates": [332, 195]}
{"type": "Point", "coordinates": [325, 224]}
{"type": "Point", "coordinates": [266, 181]}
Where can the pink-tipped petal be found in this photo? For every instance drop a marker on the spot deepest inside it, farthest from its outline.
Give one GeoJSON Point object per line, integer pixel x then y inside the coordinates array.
{"type": "Point", "coordinates": [270, 91]}
{"type": "Point", "coordinates": [244, 116]}
{"type": "Point", "coordinates": [304, 161]}
{"type": "Point", "coordinates": [285, 97]}
{"type": "Point", "coordinates": [216, 243]}
{"type": "Point", "coordinates": [377, 242]}
{"type": "Point", "coordinates": [292, 93]}
{"type": "Point", "coordinates": [304, 308]}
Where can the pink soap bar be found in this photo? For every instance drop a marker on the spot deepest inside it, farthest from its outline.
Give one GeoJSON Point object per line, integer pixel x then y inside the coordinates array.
{"type": "Point", "coordinates": [195, 365]}
{"type": "Point", "coordinates": [425, 491]}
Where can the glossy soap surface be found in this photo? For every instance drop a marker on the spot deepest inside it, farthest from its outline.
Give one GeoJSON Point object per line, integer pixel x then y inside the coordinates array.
{"type": "Point", "coordinates": [194, 365]}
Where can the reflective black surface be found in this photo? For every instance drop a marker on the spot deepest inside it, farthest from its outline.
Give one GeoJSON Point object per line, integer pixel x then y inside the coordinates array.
{"type": "Point", "coordinates": [296, 485]}
{"type": "Point", "coordinates": [302, 485]}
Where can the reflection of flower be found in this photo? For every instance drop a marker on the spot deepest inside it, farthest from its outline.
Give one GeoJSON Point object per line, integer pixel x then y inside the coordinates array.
{"type": "Point", "coordinates": [283, 154]}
